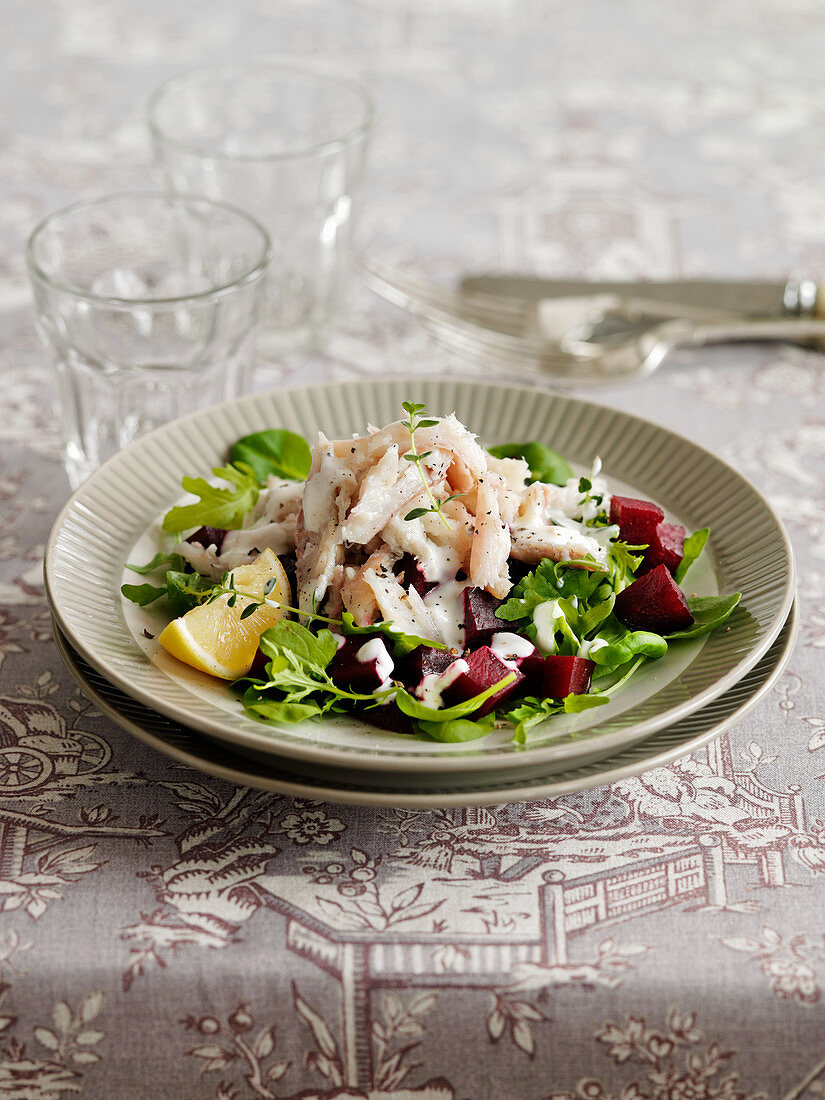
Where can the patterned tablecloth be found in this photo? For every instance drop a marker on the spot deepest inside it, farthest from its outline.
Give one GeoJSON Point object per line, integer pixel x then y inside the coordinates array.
{"type": "Point", "coordinates": [165, 934]}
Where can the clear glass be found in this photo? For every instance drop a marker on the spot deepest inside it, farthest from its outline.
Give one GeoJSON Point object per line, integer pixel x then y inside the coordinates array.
{"type": "Point", "coordinates": [289, 145]}
{"type": "Point", "coordinates": [150, 305]}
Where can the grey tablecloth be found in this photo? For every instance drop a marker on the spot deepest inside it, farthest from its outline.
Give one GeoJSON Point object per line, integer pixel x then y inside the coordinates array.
{"type": "Point", "coordinates": [164, 934]}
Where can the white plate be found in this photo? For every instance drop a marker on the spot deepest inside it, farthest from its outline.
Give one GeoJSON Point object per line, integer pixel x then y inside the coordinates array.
{"type": "Point", "coordinates": [113, 518]}
{"type": "Point", "coordinates": [661, 748]}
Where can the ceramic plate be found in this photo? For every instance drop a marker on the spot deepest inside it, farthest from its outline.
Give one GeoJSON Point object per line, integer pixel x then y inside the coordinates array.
{"type": "Point", "coordinates": [114, 518]}
{"type": "Point", "coordinates": [661, 748]}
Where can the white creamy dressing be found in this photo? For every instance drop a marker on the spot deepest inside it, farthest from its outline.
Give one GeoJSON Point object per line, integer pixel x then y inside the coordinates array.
{"type": "Point", "coordinates": [375, 650]}
{"type": "Point", "coordinates": [509, 647]}
{"type": "Point", "coordinates": [587, 648]}
{"type": "Point", "coordinates": [446, 607]}
{"type": "Point", "coordinates": [433, 686]}
{"type": "Point", "coordinates": [547, 617]}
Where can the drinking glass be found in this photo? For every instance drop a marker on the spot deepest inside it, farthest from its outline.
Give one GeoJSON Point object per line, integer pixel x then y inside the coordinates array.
{"type": "Point", "coordinates": [149, 304]}
{"type": "Point", "coordinates": [289, 145]}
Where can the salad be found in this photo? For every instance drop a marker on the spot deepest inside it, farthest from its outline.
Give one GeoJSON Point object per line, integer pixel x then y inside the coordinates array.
{"type": "Point", "coordinates": [420, 581]}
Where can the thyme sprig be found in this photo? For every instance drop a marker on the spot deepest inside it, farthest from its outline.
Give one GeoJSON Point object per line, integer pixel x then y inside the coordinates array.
{"type": "Point", "coordinates": [413, 409]}
{"type": "Point", "coordinates": [226, 587]}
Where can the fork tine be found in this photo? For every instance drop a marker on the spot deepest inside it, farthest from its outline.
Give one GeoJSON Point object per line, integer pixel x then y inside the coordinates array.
{"type": "Point", "coordinates": [419, 297]}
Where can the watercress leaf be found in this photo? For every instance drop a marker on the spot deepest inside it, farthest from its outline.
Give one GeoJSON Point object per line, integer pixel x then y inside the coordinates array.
{"type": "Point", "coordinates": [594, 616]}
{"type": "Point", "coordinates": [528, 713]}
{"type": "Point", "coordinates": [623, 649]}
{"type": "Point", "coordinates": [414, 708]}
{"type": "Point", "coordinates": [275, 710]}
{"type": "Point", "coordinates": [575, 704]}
{"type": "Point", "coordinates": [274, 451]}
{"type": "Point", "coordinates": [142, 594]}
{"type": "Point", "coordinates": [186, 590]}
{"type": "Point", "coordinates": [172, 561]}
{"type": "Point", "coordinates": [694, 545]}
{"type": "Point", "coordinates": [459, 729]}
{"type": "Point", "coordinates": [217, 507]}
{"type": "Point", "coordinates": [623, 564]}
{"type": "Point", "coordinates": [708, 613]}
{"type": "Point", "coordinates": [545, 464]}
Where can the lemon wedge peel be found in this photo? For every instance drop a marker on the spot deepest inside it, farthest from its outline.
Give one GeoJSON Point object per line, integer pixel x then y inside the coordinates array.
{"type": "Point", "coordinates": [214, 637]}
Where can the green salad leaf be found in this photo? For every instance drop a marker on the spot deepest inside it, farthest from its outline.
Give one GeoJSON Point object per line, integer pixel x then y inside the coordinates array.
{"type": "Point", "coordinates": [297, 670]}
{"type": "Point", "coordinates": [708, 613]}
{"type": "Point", "coordinates": [694, 545]}
{"type": "Point", "coordinates": [623, 645]}
{"type": "Point", "coordinates": [458, 729]}
{"type": "Point", "coordinates": [143, 594]}
{"type": "Point", "coordinates": [273, 451]}
{"type": "Point", "coordinates": [171, 561]}
{"type": "Point", "coordinates": [414, 708]}
{"type": "Point", "coordinates": [545, 464]}
{"type": "Point", "coordinates": [224, 508]}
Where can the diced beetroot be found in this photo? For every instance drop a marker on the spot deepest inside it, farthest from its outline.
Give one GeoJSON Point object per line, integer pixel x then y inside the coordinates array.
{"type": "Point", "coordinates": [653, 602]}
{"type": "Point", "coordinates": [410, 576]}
{"type": "Point", "coordinates": [637, 519]}
{"type": "Point", "coordinates": [259, 663]}
{"type": "Point", "coordinates": [424, 661]}
{"type": "Point", "coordinates": [532, 668]}
{"type": "Point", "coordinates": [667, 547]}
{"type": "Point", "coordinates": [484, 668]}
{"type": "Point", "coordinates": [388, 717]}
{"type": "Point", "coordinates": [480, 620]}
{"type": "Point", "coordinates": [350, 671]}
{"type": "Point", "coordinates": [209, 536]}
{"type": "Point", "coordinates": [565, 676]}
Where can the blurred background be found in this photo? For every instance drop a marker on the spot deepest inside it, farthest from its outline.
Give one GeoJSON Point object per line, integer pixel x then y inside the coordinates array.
{"type": "Point", "coordinates": [596, 139]}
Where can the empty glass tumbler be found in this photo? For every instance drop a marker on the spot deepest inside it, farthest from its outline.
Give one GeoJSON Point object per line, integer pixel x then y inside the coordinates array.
{"type": "Point", "coordinates": [150, 305]}
{"type": "Point", "coordinates": [288, 144]}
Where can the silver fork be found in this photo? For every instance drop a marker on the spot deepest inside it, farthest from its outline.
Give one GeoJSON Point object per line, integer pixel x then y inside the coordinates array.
{"type": "Point", "coordinates": [580, 360]}
{"type": "Point", "coordinates": [423, 299]}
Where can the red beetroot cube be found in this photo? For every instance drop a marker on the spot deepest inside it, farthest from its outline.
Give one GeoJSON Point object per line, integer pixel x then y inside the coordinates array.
{"type": "Point", "coordinates": [637, 519]}
{"type": "Point", "coordinates": [565, 676]}
{"type": "Point", "coordinates": [484, 668]}
{"type": "Point", "coordinates": [654, 602]}
{"type": "Point", "coordinates": [410, 576]}
{"type": "Point", "coordinates": [362, 664]}
{"type": "Point", "coordinates": [667, 548]}
{"type": "Point", "coordinates": [424, 661]}
{"type": "Point", "coordinates": [532, 668]}
{"type": "Point", "coordinates": [388, 717]}
{"type": "Point", "coordinates": [480, 620]}
{"type": "Point", "coordinates": [518, 651]}
{"type": "Point", "coordinates": [208, 536]}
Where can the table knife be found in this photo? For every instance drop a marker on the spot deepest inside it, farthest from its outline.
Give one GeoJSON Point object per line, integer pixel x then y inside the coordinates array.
{"type": "Point", "coordinates": [764, 298]}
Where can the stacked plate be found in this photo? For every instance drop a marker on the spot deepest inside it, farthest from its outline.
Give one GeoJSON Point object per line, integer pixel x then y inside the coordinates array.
{"type": "Point", "coordinates": [670, 708]}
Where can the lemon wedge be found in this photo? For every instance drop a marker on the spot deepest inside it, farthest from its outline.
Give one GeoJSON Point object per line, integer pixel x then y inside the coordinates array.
{"type": "Point", "coordinates": [214, 638]}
